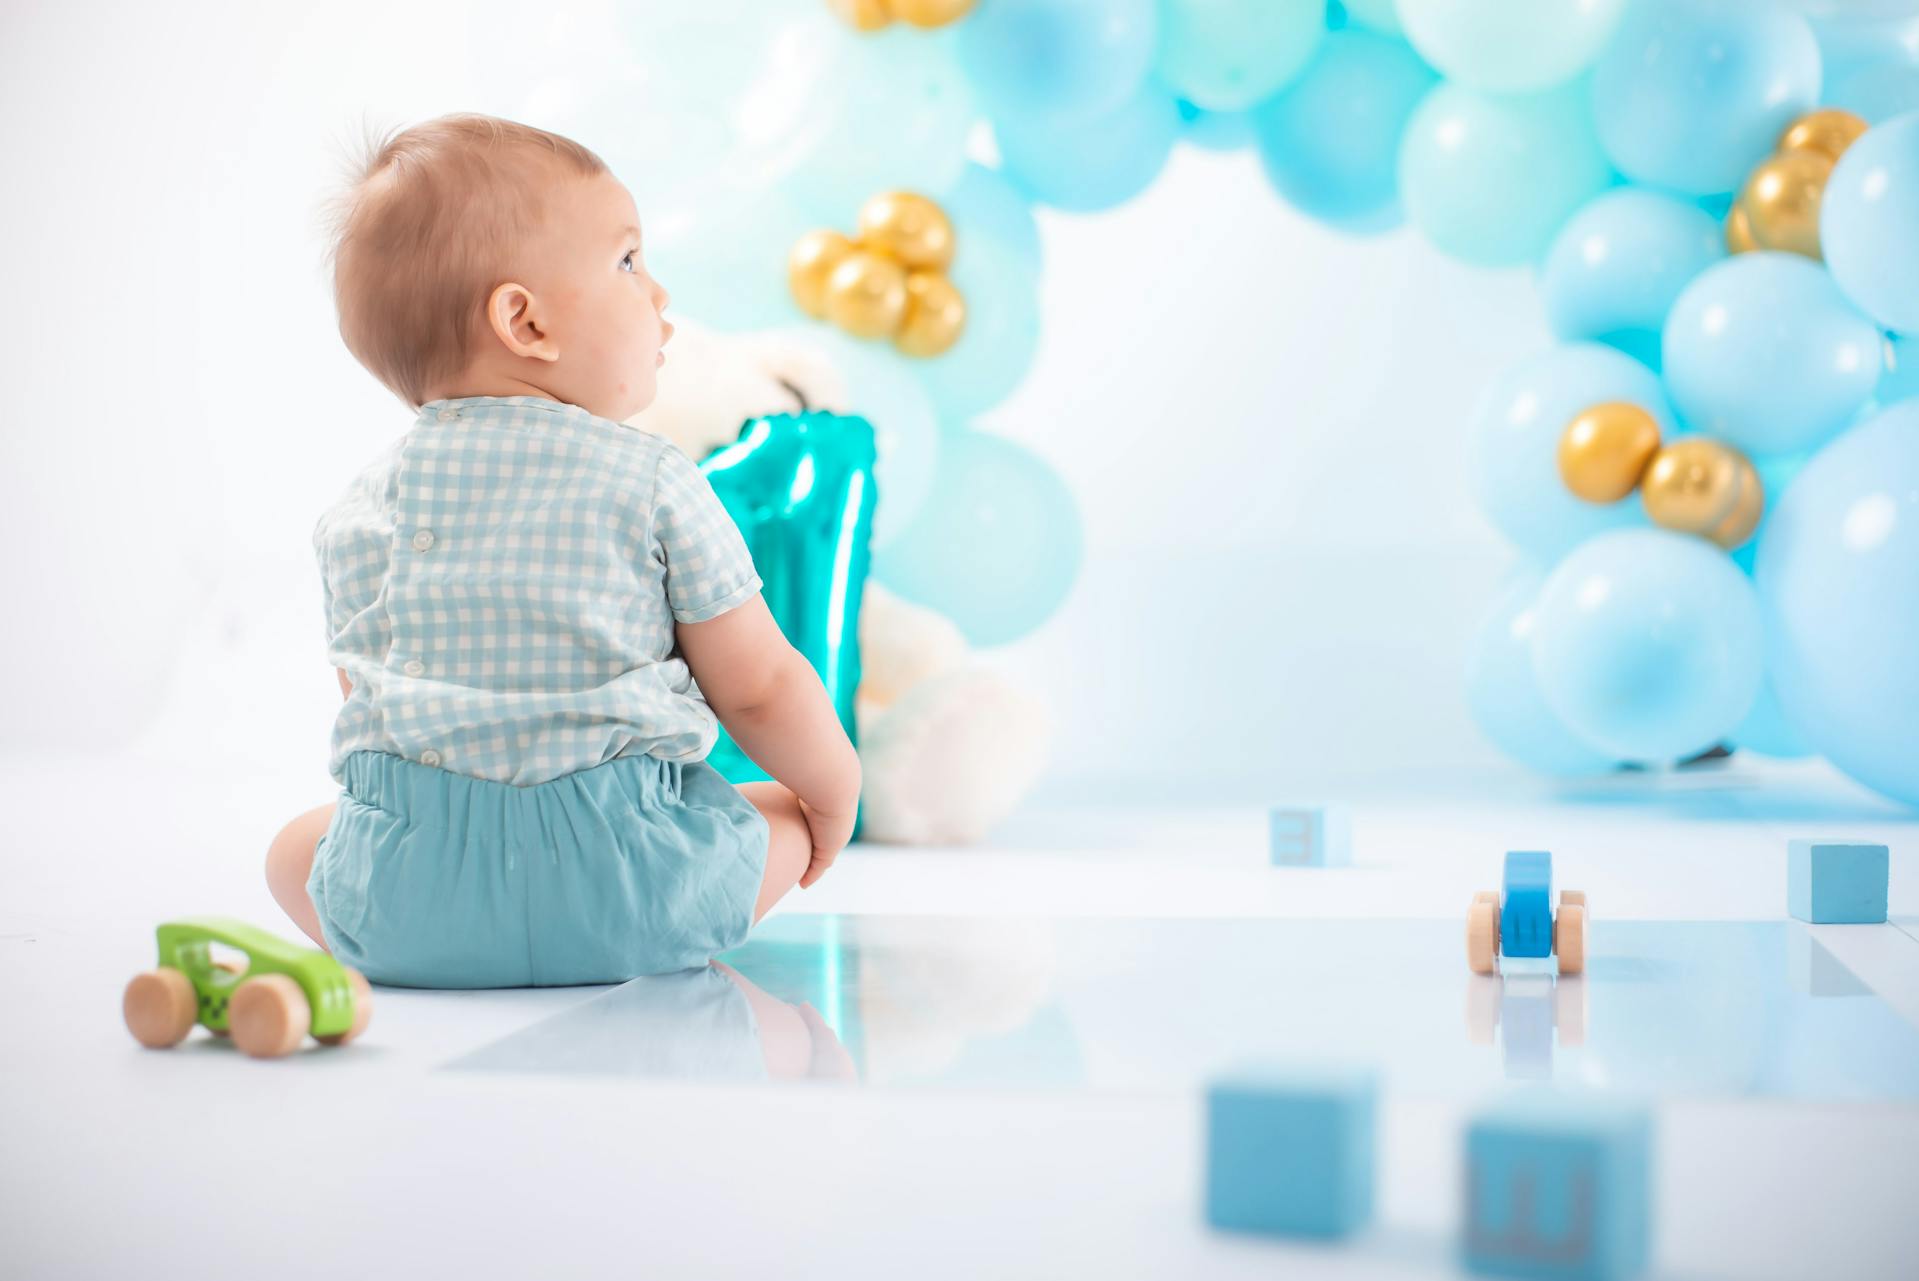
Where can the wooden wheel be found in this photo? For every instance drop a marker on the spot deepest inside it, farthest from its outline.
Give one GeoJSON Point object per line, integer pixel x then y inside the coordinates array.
{"type": "Point", "coordinates": [1569, 937]}
{"type": "Point", "coordinates": [160, 1007]}
{"type": "Point", "coordinates": [1482, 932]}
{"type": "Point", "coordinates": [362, 1008]}
{"type": "Point", "coordinates": [269, 1016]}
{"type": "Point", "coordinates": [1575, 897]}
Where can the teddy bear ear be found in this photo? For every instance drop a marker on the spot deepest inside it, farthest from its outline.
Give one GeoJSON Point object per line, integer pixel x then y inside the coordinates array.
{"type": "Point", "coordinates": [806, 369]}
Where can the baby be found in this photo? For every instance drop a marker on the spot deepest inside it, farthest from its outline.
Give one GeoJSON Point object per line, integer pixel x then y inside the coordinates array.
{"type": "Point", "coordinates": [538, 612]}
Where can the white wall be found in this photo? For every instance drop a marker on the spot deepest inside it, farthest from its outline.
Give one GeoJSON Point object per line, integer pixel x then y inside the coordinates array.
{"type": "Point", "coordinates": [1264, 421]}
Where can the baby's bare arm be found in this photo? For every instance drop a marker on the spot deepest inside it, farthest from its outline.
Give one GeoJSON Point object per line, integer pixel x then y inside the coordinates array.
{"type": "Point", "coordinates": [772, 702]}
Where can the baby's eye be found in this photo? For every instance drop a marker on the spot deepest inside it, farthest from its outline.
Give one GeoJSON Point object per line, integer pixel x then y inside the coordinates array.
{"type": "Point", "coordinates": [626, 263]}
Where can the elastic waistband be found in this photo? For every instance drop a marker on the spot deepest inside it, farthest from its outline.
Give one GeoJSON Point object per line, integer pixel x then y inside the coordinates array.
{"type": "Point", "coordinates": [390, 782]}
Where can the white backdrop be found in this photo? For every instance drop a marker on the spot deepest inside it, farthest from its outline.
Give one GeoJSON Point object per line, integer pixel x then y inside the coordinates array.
{"type": "Point", "coordinates": [1264, 421]}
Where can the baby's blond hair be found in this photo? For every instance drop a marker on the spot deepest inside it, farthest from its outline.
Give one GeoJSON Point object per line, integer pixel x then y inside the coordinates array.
{"type": "Point", "coordinates": [423, 232]}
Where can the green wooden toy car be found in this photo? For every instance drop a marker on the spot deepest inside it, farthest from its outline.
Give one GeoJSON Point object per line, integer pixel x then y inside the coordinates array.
{"type": "Point", "coordinates": [284, 991]}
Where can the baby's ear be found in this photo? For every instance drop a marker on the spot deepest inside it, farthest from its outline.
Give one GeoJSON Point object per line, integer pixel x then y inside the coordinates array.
{"type": "Point", "coordinates": [516, 318]}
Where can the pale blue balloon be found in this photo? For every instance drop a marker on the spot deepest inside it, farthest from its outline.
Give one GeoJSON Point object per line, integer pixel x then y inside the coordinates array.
{"type": "Point", "coordinates": [843, 116]}
{"type": "Point", "coordinates": [1376, 15]}
{"type": "Point", "coordinates": [1088, 163]}
{"type": "Point", "coordinates": [997, 544]}
{"type": "Point", "coordinates": [1776, 472]}
{"type": "Point", "coordinates": [1877, 94]}
{"type": "Point", "coordinates": [882, 388]}
{"type": "Point", "coordinates": [1057, 57]}
{"type": "Point", "coordinates": [1617, 265]}
{"type": "Point", "coordinates": [1838, 579]}
{"type": "Point", "coordinates": [1648, 644]}
{"type": "Point", "coordinates": [984, 204]}
{"type": "Point", "coordinates": [1691, 94]}
{"type": "Point", "coordinates": [1767, 731]}
{"type": "Point", "coordinates": [1330, 141]}
{"type": "Point", "coordinates": [1514, 447]}
{"type": "Point", "coordinates": [1504, 47]}
{"type": "Point", "coordinates": [996, 347]}
{"type": "Point", "coordinates": [1502, 691]}
{"type": "Point", "coordinates": [720, 253]}
{"type": "Point", "coordinates": [1900, 381]}
{"type": "Point", "coordinates": [1851, 42]}
{"type": "Point", "coordinates": [1215, 130]}
{"type": "Point", "coordinates": [1225, 55]}
{"type": "Point", "coordinates": [1764, 351]}
{"type": "Point", "coordinates": [1490, 178]}
{"type": "Point", "coordinates": [1869, 223]}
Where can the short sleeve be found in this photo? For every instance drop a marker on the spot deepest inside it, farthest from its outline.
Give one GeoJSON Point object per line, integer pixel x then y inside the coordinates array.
{"type": "Point", "coordinates": [329, 605]}
{"type": "Point", "coordinates": [708, 567]}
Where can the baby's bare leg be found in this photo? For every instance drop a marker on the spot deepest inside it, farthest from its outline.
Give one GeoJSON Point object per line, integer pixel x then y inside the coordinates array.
{"type": "Point", "coordinates": [290, 861]}
{"type": "Point", "coordinates": [790, 846]}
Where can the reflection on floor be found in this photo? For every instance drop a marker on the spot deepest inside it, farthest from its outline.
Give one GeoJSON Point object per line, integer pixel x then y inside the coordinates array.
{"type": "Point", "coordinates": [1739, 1008]}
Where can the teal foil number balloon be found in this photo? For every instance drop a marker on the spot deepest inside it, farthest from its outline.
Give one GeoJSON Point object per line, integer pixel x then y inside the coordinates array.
{"type": "Point", "coordinates": [800, 487]}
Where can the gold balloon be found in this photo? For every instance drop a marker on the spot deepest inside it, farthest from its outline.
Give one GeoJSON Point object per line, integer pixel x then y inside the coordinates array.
{"type": "Point", "coordinates": [935, 315]}
{"type": "Point", "coordinates": [930, 13]}
{"type": "Point", "coordinates": [1739, 231]}
{"type": "Point", "coordinates": [810, 264]}
{"type": "Point", "coordinates": [866, 295]}
{"type": "Point", "coordinates": [1703, 487]}
{"type": "Point", "coordinates": [1747, 508]}
{"type": "Point", "coordinates": [909, 228]}
{"type": "Point", "coordinates": [1781, 201]}
{"type": "Point", "coordinates": [1605, 450]}
{"type": "Point", "coordinates": [1827, 131]}
{"type": "Point", "coordinates": [866, 15]}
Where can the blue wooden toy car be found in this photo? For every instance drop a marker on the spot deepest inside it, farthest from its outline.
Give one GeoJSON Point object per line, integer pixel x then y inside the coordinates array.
{"type": "Point", "coordinates": [1521, 922]}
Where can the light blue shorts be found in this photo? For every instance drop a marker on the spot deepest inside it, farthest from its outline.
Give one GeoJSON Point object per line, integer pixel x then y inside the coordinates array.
{"type": "Point", "coordinates": [427, 878]}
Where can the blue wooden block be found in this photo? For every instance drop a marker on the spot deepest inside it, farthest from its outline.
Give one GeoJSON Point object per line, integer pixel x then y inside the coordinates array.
{"type": "Point", "coordinates": [1289, 1150]}
{"type": "Point", "coordinates": [1557, 1188]}
{"type": "Point", "coordinates": [1837, 882]}
{"type": "Point", "coordinates": [1526, 904]}
{"type": "Point", "coordinates": [1310, 835]}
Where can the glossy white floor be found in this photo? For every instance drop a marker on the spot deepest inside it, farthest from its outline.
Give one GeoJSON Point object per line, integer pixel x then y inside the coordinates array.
{"type": "Point", "coordinates": [1002, 1075]}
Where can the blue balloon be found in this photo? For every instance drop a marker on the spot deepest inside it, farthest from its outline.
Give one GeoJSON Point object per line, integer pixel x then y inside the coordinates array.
{"type": "Point", "coordinates": [1767, 731]}
{"type": "Point", "coordinates": [1900, 381]}
{"type": "Point", "coordinates": [1838, 579]}
{"type": "Point", "coordinates": [1330, 141]}
{"type": "Point", "coordinates": [1087, 163]}
{"type": "Point", "coordinates": [1776, 471]}
{"type": "Point", "coordinates": [1489, 178]}
{"type": "Point", "coordinates": [1503, 47]}
{"type": "Point", "coordinates": [1514, 450]}
{"type": "Point", "coordinates": [1691, 94]}
{"type": "Point", "coordinates": [1379, 15]}
{"type": "Point", "coordinates": [1764, 351]}
{"type": "Point", "coordinates": [996, 347]}
{"type": "Point", "coordinates": [1869, 223]}
{"type": "Point", "coordinates": [1648, 644]}
{"type": "Point", "coordinates": [997, 544]}
{"type": "Point", "coordinates": [1617, 265]}
{"type": "Point", "coordinates": [1225, 55]}
{"type": "Point", "coordinates": [1852, 42]}
{"type": "Point", "coordinates": [1215, 130]}
{"type": "Point", "coordinates": [1502, 691]}
{"type": "Point", "coordinates": [1877, 94]}
{"type": "Point", "coordinates": [983, 203]}
{"type": "Point", "coordinates": [1057, 57]}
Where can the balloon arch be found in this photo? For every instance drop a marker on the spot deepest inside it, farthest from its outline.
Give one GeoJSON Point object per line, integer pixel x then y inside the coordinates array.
{"type": "Point", "coordinates": [1712, 479]}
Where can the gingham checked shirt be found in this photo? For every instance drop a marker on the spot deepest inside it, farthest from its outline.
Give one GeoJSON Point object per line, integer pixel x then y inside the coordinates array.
{"type": "Point", "coordinates": [501, 586]}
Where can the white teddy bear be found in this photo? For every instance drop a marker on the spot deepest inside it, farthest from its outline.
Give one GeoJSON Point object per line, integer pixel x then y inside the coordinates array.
{"type": "Point", "coordinates": [947, 747]}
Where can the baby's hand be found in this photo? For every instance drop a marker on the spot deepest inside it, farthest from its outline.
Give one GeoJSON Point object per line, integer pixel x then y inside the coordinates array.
{"type": "Point", "coordinates": [830, 832]}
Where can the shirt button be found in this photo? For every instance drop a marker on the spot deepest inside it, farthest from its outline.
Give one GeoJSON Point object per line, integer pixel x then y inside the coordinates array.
{"type": "Point", "coordinates": [414, 667]}
{"type": "Point", "coordinates": [423, 540]}
{"type": "Point", "coordinates": [448, 415]}
{"type": "Point", "coordinates": [429, 757]}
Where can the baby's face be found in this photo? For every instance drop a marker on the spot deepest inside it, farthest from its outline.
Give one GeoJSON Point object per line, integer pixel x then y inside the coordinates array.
{"type": "Point", "coordinates": [600, 306]}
